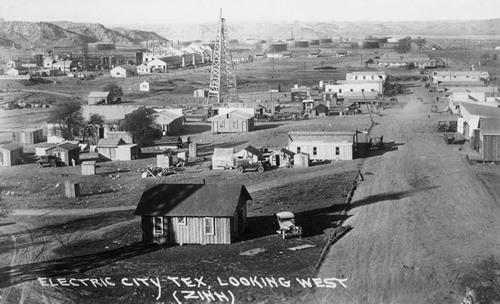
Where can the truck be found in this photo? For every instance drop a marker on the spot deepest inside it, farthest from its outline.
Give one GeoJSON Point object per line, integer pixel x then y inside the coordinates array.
{"type": "Point", "coordinates": [49, 161]}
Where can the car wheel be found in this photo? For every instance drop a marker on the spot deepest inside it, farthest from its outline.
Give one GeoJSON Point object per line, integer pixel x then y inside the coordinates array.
{"type": "Point", "coordinates": [240, 169]}
{"type": "Point", "coordinates": [53, 165]}
{"type": "Point", "coordinates": [283, 233]}
{"type": "Point", "coordinates": [260, 169]}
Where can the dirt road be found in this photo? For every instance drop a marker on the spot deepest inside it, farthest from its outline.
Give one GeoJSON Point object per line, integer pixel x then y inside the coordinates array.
{"type": "Point", "coordinates": [418, 222]}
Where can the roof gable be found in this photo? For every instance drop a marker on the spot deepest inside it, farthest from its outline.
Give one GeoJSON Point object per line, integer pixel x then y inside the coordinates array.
{"type": "Point", "coordinates": [480, 110]}
{"type": "Point", "coordinates": [11, 147]}
{"type": "Point", "coordinates": [110, 142]}
{"type": "Point", "coordinates": [192, 200]}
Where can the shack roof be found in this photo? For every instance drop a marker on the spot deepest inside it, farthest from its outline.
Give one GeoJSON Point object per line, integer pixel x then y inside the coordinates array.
{"type": "Point", "coordinates": [489, 126]}
{"type": "Point", "coordinates": [110, 142]}
{"type": "Point", "coordinates": [217, 200]}
{"type": "Point", "coordinates": [11, 147]}
{"type": "Point", "coordinates": [67, 146]}
{"type": "Point", "coordinates": [321, 136]}
{"type": "Point", "coordinates": [253, 150]}
{"type": "Point", "coordinates": [287, 152]}
{"type": "Point", "coordinates": [236, 112]}
{"type": "Point", "coordinates": [480, 110]}
{"type": "Point", "coordinates": [99, 94]}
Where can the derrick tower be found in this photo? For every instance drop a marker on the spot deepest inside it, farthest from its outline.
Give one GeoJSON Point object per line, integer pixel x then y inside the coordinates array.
{"type": "Point", "coordinates": [222, 80]}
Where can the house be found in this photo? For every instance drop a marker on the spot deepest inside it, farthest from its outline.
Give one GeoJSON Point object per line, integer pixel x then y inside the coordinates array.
{"type": "Point", "coordinates": [143, 69]}
{"type": "Point", "coordinates": [321, 110]}
{"type": "Point", "coordinates": [124, 70]}
{"type": "Point", "coordinates": [169, 122]}
{"type": "Point", "coordinates": [201, 93]}
{"type": "Point", "coordinates": [367, 75]}
{"type": "Point", "coordinates": [455, 98]}
{"type": "Point", "coordinates": [99, 98]}
{"type": "Point", "coordinates": [144, 86]}
{"type": "Point", "coordinates": [28, 136]}
{"type": "Point", "coordinates": [17, 71]}
{"type": "Point", "coordinates": [11, 155]}
{"type": "Point", "coordinates": [341, 53]}
{"type": "Point", "coordinates": [469, 116]}
{"type": "Point", "coordinates": [64, 66]}
{"type": "Point", "coordinates": [281, 158]}
{"type": "Point", "coordinates": [463, 76]}
{"type": "Point", "coordinates": [68, 153]}
{"type": "Point", "coordinates": [322, 145]}
{"type": "Point", "coordinates": [233, 121]}
{"type": "Point", "coordinates": [14, 64]}
{"type": "Point", "coordinates": [193, 213]}
{"type": "Point", "coordinates": [489, 139]}
{"type": "Point", "coordinates": [249, 152]}
{"type": "Point", "coordinates": [117, 149]}
{"type": "Point", "coordinates": [222, 158]}
{"type": "Point", "coordinates": [48, 62]}
{"type": "Point", "coordinates": [343, 86]}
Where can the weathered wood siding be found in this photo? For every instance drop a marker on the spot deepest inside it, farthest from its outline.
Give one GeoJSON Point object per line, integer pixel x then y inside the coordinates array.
{"type": "Point", "coordinates": [489, 147]}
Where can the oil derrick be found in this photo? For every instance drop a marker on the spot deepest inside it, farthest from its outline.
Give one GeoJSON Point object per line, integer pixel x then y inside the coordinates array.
{"type": "Point", "coordinates": [222, 80]}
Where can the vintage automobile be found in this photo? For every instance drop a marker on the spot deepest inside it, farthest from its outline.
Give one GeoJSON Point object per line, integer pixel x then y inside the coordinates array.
{"type": "Point", "coordinates": [49, 161]}
{"type": "Point", "coordinates": [249, 165]}
{"type": "Point", "coordinates": [376, 143]}
{"type": "Point", "coordinates": [285, 225]}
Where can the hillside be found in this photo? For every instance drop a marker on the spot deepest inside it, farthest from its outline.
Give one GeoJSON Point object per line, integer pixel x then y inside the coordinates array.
{"type": "Point", "coordinates": [40, 34]}
{"type": "Point", "coordinates": [311, 30]}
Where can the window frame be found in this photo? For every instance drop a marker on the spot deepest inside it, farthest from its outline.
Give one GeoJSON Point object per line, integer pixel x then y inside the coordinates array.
{"type": "Point", "coordinates": [155, 232]}
{"type": "Point", "coordinates": [181, 221]}
{"type": "Point", "coordinates": [205, 226]}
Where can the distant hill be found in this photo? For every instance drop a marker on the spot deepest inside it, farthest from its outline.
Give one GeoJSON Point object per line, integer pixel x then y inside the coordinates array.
{"type": "Point", "coordinates": [65, 33]}
{"type": "Point", "coordinates": [310, 30]}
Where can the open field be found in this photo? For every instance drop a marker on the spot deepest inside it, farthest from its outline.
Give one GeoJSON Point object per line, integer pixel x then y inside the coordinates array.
{"type": "Point", "coordinates": [422, 219]}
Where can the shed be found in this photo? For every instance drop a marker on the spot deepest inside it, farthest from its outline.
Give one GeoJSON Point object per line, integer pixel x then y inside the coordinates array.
{"type": "Point", "coordinates": [282, 158]}
{"type": "Point", "coordinates": [28, 136]}
{"type": "Point", "coordinates": [233, 121]}
{"type": "Point", "coordinates": [222, 158]}
{"type": "Point", "coordinates": [117, 149]}
{"type": "Point", "coordinates": [201, 93]}
{"type": "Point", "coordinates": [249, 152]}
{"type": "Point", "coordinates": [124, 70]}
{"type": "Point", "coordinates": [88, 167]}
{"type": "Point", "coordinates": [98, 98]}
{"type": "Point", "coordinates": [301, 160]}
{"type": "Point", "coordinates": [193, 213]}
{"type": "Point", "coordinates": [489, 139]}
{"type": "Point", "coordinates": [68, 153]}
{"type": "Point", "coordinates": [144, 86]}
{"type": "Point", "coordinates": [322, 145]}
{"type": "Point", "coordinates": [11, 154]}
{"type": "Point", "coordinates": [168, 122]}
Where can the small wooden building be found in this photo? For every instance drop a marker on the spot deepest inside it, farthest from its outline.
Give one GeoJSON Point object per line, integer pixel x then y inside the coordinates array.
{"type": "Point", "coordinates": [88, 167]}
{"type": "Point", "coordinates": [168, 122]}
{"type": "Point", "coordinates": [117, 149]}
{"type": "Point", "coordinates": [11, 154]}
{"type": "Point", "coordinates": [193, 213]}
{"type": "Point", "coordinates": [234, 121]}
{"type": "Point", "coordinates": [124, 70]}
{"type": "Point", "coordinates": [98, 98]}
{"type": "Point", "coordinates": [28, 136]}
{"type": "Point", "coordinates": [222, 158]}
{"type": "Point", "coordinates": [249, 152]}
{"type": "Point", "coordinates": [489, 139]}
{"type": "Point", "coordinates": [321, 145]}
{"type": "Point", "coordinates": [68, 153]}
{"type": "Point", "coordinates": [282, 158]}
{"type": "Point", "coordinates": [301, 160]}
{"type": "Point", "coordinates": [144, 86]}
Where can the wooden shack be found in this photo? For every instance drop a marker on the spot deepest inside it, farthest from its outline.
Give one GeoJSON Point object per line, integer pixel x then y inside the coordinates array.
{"type": "Point", "coordinates": [321, 145]}
{"type": "Point", "coordinates": [88, 167]}
{"type": "Point", "coordinates": [249, 152]}
{"type": "Point", "coordinates": [193, 213]}
{"type": "Point", "coordinates": [489, 139]}
{"type": "Point", "coordinates": [11, 154]}
{"type": "Point", "coordinates": [301, 160]}
{"type": "Point", "coordinates": [234, 121]}
{"type": "Point", "coordinates": [28, 136]}
{"type": "Point", "coordinates": [68, 153]}
{"type": "Point", "coordinates": [117, 149]}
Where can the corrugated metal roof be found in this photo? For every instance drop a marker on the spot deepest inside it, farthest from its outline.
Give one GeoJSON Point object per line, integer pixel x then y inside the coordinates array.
{"type": "Point", "coordinates": [489, 126]}
{"type": "Point", "coordinates": [481, 110]}
{"type": "Point", "coordinates": [11, 147]}
{"type": "Point", "coordinates": [218, 200]}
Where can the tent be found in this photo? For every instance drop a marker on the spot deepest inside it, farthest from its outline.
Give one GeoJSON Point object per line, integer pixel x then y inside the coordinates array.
{"type": "Point", "coordinates": [222, 158]}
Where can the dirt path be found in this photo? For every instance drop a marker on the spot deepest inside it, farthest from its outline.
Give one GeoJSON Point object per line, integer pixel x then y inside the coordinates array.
{"type": "Point", "coordinates": [48, 92]}
{"type": "Point", "coordinates": [418, 221]}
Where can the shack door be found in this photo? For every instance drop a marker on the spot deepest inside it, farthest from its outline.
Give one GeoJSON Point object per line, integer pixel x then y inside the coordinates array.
{"type": "Point", "coordinates": [277, 160]}
{"type": "Point", "coordinates": [244, 126]}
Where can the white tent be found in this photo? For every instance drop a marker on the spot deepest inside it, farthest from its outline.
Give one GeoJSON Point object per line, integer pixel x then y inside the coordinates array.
{"type": "Point", "coordinates": [222, 158]}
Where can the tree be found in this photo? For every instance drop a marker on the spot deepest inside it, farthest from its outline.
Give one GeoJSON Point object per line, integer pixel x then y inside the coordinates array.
{"type": "Point", "coordinates": [420, 42]}
{"type": "Point", "coordinates": [115, 91]}
{"type": "Point", "coordinates": [68, 120]}
{"type": "Point", "coordinates": [91, 129]}
{"type": "Point", "coordinates": [404, 45]}
{"type": "Point", "coordinates": [411, 66]}
{"type": "Point", "coordinates": [139, 124]}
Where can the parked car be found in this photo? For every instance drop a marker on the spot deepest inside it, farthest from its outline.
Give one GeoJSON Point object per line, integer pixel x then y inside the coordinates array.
{"type": "Point", "coordinates": [49, 161]}
{"type": "Point", "coordinates": [285, 225]}
{"type": "Point", "coordinates": [249, 165]}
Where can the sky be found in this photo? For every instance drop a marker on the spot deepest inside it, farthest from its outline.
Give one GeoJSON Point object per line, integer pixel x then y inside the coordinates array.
{"type": "Point", "coordinates": [115, 12]}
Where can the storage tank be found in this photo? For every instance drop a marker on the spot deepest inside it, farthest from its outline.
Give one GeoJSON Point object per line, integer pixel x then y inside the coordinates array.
{"type": "Point", "coordinates": [314, 42]}
{"type": "Point", "coordinates": [276, 47]}
{"type": "Point", "coordinates": [302, 43]}
{"type": "Point", "coordinates": [325, 41]}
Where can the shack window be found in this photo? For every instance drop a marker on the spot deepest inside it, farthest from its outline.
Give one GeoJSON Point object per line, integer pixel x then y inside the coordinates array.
{"type": "Point", "coordinates": [181, 221]}
{"type": "Point", "coordinates": [157, 225]}
{"type": "Point", "coordinates": [209, 225]}
{"type": "Point", "coordinates": [298, 149]}
{"type": "Point", "coordinates": [337, 150]}
{"type": "Point", "coordinates": [315, 151]}
{"type": "Point", "coordinates": [227, 116]}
